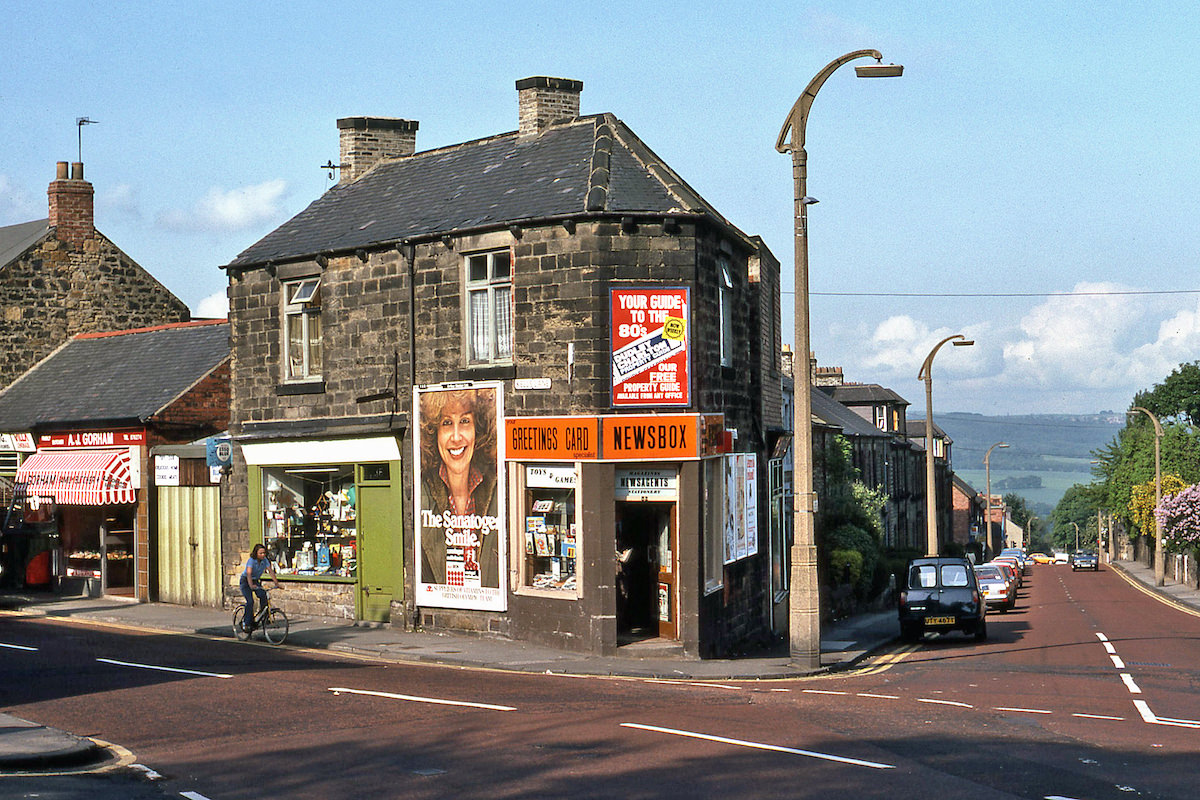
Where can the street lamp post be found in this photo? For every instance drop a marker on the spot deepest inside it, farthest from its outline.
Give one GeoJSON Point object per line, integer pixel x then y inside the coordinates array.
{"type": "Point", "coordinates": [931, 521]}
{"type": "Point", "coordinates": [987, 470]}
{"type": "Point", "coordinates": [1076, 524]}
{"type": "Point", "coordinates": [804, 602]}
{"type": "Point", "coordinates": [1160, 562]}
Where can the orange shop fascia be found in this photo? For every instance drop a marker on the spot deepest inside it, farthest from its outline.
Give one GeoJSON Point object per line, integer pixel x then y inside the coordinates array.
{"type": "Point", "coordinates": [623, 437]}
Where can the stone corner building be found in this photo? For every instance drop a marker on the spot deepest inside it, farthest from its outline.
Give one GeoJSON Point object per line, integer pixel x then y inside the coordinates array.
{"type": "Point", "coordinates": [60, 276]}
{"type": "Point", "coordinates": [526, 385]}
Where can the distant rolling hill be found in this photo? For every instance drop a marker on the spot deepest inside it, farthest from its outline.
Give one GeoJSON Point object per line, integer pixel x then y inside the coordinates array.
{"type": "Point", "coordinates": [1047, 453]}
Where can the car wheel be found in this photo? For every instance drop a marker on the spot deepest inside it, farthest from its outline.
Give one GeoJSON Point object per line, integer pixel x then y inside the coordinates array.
{"type": "Point", "coordinates": [981, 631]}
{"type": "Point", "coordinates": [910, 633]}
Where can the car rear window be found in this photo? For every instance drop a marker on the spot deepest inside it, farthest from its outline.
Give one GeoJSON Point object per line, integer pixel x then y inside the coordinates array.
{"type": "Point", "coordinates": [922, 576]}
{"type": "Point", "coordinates": [954, 575]}
{"type": "Point", "coordinates": [988, 572]}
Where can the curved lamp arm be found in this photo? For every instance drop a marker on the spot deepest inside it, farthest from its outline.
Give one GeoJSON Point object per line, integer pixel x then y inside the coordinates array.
{"type": "Point", "coordinates": [959, 341]}
{"type": "Point", "coordinates": [799, 114]}
{"type": "Point", "coordinates": [1158, 430]}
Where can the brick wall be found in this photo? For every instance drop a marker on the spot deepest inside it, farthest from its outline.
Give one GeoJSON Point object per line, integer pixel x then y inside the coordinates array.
{"type": "Point", "coordinates": [54, 291]}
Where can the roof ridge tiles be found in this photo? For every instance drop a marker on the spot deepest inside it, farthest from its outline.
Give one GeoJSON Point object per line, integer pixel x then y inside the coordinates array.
{"type": "Point", "coordinates": [195, 323]}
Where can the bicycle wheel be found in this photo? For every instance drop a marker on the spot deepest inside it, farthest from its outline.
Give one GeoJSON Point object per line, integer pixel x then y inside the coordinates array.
{"type": "Point", "coordinates": [275, 628]}
{"type": "Point", "coordinates": [241, 633]}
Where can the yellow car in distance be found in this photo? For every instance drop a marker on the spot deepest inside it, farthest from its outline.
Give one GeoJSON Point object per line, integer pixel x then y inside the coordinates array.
{"type": "Point", "coordinates": [1041, 558]}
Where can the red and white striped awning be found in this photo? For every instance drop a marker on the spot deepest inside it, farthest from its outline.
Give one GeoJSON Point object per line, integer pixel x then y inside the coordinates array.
{"type": "Point", "coordinates": [78, 477]}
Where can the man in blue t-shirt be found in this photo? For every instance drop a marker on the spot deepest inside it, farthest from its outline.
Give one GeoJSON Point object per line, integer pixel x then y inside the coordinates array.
{"type": "Point", "coordinates": [251, 582]}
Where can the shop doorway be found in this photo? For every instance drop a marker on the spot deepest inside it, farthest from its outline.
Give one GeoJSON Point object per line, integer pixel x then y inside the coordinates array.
{"type": "Point", "coordinates": [647, 605]}
{"type": "Point", "coordinates": [378, 543]}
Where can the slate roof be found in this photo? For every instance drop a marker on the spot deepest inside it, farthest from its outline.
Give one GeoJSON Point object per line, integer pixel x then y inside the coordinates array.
{"type": "Point", "coordinates": [916, 430]}
{"type": "Point", "coordinates": [860, 393]}
{"type": "Point", "coordinates": [16, 239]}
{"type": "Point", "coordinates": [126, 376]}
{"type": "Point", "coordinates": [591, 165]}
{"type": "Point", "coordinates": [831, 411]}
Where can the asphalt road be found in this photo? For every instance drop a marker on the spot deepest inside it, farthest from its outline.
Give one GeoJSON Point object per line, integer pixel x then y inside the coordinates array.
{"type": "Point", "coordinates": [1086, 690]}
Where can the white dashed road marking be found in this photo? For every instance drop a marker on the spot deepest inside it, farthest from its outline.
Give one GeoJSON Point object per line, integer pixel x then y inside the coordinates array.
{"type": "Point", "coordinates": [759, 746]}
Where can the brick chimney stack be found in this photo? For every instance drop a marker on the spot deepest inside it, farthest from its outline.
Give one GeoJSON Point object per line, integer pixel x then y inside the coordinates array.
{"type": "Point", "coordinates": [72, 206]}
{"type": "Point", "coordinates": [365, 141]}
{"type": "Point", "coordinates": [542, 101]}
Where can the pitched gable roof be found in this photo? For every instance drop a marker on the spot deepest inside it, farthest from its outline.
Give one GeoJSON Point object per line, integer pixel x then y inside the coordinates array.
{"type": "Point", "coordinates": [593, 164]}
{"type": "Point", "coordinates": [16, 239]}
{"type": "Point", "coordinates": [108, 377]}
{"type": "Point", "coordinates": [831, 411]}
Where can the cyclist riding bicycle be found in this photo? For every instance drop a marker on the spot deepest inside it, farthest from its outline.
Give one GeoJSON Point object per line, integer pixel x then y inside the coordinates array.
{"type": "Point", "coordinates": [251, 582]}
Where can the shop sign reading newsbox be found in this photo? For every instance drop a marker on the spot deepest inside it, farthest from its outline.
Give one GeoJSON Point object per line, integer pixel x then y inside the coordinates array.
{"type": "Point", "coordinates": [625, 437]}
{"type": "Point", "coordinates": [650, 347]}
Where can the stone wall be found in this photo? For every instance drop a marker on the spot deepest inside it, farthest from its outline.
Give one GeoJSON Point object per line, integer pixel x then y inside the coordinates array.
{"type": "Point", "coordinates": [53, 291]}
{"type": "Point", "coordinates": [560, 294]}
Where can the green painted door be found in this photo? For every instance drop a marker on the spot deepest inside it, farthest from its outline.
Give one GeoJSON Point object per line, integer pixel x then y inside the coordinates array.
{"type": "Point", "coordinates": [379, 515]}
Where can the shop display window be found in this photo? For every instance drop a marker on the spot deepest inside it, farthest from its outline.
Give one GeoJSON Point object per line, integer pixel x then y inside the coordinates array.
{"type": "Point", "coordinates": [549, 540]}
{"type": "Point", "coordinates": [310, 520]}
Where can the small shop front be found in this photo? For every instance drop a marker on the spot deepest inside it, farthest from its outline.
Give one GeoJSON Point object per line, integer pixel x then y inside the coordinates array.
{"type": "Point", "coordinates": [81, 488]}
{"type": "Point", "coordinates": [630, 486]}
{"type": "Point", "coordinates": [328, 513]}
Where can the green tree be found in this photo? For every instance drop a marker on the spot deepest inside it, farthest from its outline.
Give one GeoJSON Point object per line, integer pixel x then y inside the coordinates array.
{"type": "Point", "coordinates": [850, 520]}
{"type": "Point", "coordinates": [1177, 397]}
{"type": "Point", "coordinates": [1078, 505]}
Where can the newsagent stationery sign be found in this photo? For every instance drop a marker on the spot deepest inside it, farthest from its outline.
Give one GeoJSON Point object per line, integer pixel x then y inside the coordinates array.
{"type": "Point", "coordinates": [650, 348]}
{"type": "Point", "coordinates": [460, 496]}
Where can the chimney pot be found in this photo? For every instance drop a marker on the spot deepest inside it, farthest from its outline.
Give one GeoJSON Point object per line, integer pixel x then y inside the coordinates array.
{"type": "Point", "coordinates": [365, 141]}
{"type": "Point", "coordinates": [543, 101]}
{"type": "Point", "coordinates": [60, 173]}
{"type": "Point", "coordinates": [76, 170]}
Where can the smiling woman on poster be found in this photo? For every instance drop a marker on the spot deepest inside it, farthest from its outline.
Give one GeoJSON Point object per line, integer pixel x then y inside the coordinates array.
{"type": "Point", "coordinates": [458, 520]}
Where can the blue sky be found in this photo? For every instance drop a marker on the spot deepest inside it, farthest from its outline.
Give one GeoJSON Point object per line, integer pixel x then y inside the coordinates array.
{"type": "Point", "coordinates": [1038, 148]}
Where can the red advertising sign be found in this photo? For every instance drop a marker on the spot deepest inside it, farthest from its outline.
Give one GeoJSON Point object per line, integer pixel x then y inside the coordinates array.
{"type": "Point", "coordinates": [650, 347]}
{"type": "Point", "coordinates": [92, 439]}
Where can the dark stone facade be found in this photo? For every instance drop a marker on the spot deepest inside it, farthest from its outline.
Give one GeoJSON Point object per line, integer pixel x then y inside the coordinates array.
{"type": "Point", "coordinates": [560, 283]}
{"type": "Point", "coordinates": [53, 291]}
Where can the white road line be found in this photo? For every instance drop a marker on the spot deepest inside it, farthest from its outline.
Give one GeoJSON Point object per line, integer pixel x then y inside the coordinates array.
{"type": "Point", "coordinates": [880, 696]}
{"type": "Point", "coordinates": [1059, 797]}
{"type": "Point", "coordinates": [759, 746]}
{"type": "Point", "coordinates": [415, 699]}
{"type": "Point", "coordinates": [164, 669]}
{"type": "Point", "coordinates": [1182, 723]}
{"type": "Point", "coordinates": [1109, 648]}
{"type": "Point", "coordinates": [1117, 662]}
{"type": "Point", "coordinates": [17, 646]}
{"type": "Point", "coordinates": [823, 691]}
{"type": "Point", "coordinates": [1102, 637]}
{"type": "Point", "coordinates": [1023, 710]}
{"type": "Point", "coordinates": [1144, 710]}
{"type": "Point", "coordinates": [1099, 716]}
{"type": "Point", "coordinates": [944, 702]}
{"type": "Point", "coordinates": [1129, 684]}
{"type": "Point", "coordinates": [192, 796]}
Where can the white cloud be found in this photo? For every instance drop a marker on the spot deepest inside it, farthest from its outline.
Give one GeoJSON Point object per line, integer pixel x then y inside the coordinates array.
{"type": "Point", "coordinates": [215, 306]}
{"type": "Point", "coordinates": [900, 345]}
{"type": "Point", "coordinates": [17, 205]}
{"type": "Point", "coordinates": [119, 199]}
{"type": "Point", "coordinates": [231, 210]}
{"type": "Point", "coordinates": [1089, 350]}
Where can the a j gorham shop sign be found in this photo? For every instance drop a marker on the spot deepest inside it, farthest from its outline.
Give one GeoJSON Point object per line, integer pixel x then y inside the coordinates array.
{"type": "Point", "coordinates": [650, 348]}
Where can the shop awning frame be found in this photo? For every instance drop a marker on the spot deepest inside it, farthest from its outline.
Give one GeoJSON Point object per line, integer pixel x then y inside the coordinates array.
{"type": "Point", "coordinates": [78, 477]}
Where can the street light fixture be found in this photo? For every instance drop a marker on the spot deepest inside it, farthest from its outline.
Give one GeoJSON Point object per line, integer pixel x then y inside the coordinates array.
{"type": "Point", "coordinates": [931, 522]}
{"type": "Point", "coordinates": [987, 469]}
{"type": "Point", "coordinates": [804, 602]}
{"type": "Point", "coordinates": [1160, 564]}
